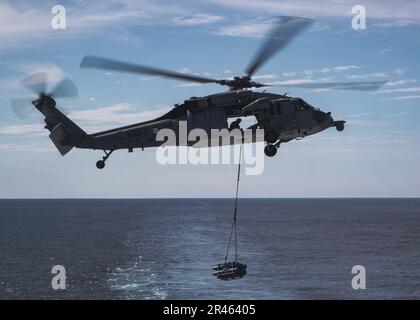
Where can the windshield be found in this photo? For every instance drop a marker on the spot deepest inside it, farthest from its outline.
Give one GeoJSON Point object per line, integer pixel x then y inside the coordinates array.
{"type": "Point", "coordinates": [300, 104]}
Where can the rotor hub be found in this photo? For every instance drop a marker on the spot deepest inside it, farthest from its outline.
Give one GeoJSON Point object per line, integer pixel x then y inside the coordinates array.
{"type": "Point", "coordinates": [238, 83]}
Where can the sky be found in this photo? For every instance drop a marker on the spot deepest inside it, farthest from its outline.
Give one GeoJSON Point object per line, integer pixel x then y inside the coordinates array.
{"type": "Point", "coordinates": [377, 155]}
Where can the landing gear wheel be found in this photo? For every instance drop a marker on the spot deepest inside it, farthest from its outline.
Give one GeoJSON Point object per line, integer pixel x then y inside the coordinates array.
{"type": "Point", "coordinates": [270, 150]}
{"type": "Point", "coordinates": [270, 136]}
{"type": "Point", "coordinates": [339, 126]}
{"type": "Point", "coordinates": [100, 164]}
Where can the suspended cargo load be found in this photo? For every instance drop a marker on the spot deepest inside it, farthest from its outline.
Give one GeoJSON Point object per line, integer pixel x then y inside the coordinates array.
{"type": "Point", "coordinates": [230, 270]}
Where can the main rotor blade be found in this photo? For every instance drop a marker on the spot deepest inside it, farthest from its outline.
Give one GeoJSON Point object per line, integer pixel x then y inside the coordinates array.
{"type": "Point", "coordinates": [309, 84]}
{"type": "Point", "coordinates": [22, 107]}
{"type": "Point", "coordinates": [114, 65]}
{"type": "Point", "coordinates": [285, 29]}
{"type": "Point", "coordinates": [36, 82]}
{"type": "Point", "coordinates": [65, 89]}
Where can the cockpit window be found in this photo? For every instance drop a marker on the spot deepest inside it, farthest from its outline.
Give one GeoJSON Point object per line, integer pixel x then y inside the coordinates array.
{"type": "Point", "coordinates": [299, 104]}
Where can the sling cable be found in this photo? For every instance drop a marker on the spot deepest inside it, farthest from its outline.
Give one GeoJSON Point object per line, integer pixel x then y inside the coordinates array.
{"type": "Point", "coordinates": [231, 270]}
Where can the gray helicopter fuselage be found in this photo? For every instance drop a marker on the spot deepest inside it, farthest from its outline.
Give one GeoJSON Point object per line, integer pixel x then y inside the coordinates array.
{"type": "Point", "coordinates": [289, 118]}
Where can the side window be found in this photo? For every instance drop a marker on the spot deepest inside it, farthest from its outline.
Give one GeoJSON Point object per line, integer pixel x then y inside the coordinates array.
{"type": "Point", "coordinates": [278, 107]}
{"type": "Point", "coordinates": [272, 108]}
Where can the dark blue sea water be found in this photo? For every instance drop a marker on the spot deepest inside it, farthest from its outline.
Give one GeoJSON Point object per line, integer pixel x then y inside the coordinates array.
{"type": "Point", "coordinates": [164, 249]}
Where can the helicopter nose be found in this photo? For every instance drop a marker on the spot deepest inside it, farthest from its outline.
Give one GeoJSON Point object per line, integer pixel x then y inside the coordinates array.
{"type": "Point", "coordinates": [329, 119]}
{"type": "Point", "coordinates": [321, 116]}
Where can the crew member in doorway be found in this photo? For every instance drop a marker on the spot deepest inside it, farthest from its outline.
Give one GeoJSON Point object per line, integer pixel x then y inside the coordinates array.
{"type": "Point", "coordinates": [235, 124]}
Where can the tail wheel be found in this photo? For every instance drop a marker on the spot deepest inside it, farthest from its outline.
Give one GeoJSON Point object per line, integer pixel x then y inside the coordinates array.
{"type": "Point", "coordinates": [271, 136]}
{"type": "Point", "coordinates": [339, 126]}
{"type": "Point", "coordinates": [270, 150]}
{"type": "Point", "coordinates": [100, 164]}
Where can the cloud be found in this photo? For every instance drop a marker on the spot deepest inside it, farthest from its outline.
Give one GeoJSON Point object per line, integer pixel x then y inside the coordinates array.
{"type": "Point", "coordinates": [394, 115]}
{"type": "Point", "coordinates": [320, 26]}
{"type": "Point", "coordinates": [250, 29]}
{"type": "Point", "coordinates": [32, 147]}
{"type": "Point", "coordinates": [125, 37]}
{"type": "Point", "coordinates": [361, 115]}
{"type": "Point", "coordinates": [184, 70]}
{"type": "Point", "coordinates": [302, 81]}
{"type": "Point", "coordinates": [369, 75]}
{"type": "Point", "coordinates": [118, 114]}
{"type": "Point", "coordinates": [345, 68]}
{"type": "Point", "coordinates": [23, 129]}
{"type": "Point", "coordinates": [409, 89]}
{"type": "Point", "coordinates": [196, 19]}
{"type": "Point", "coordinates": [53, 72]}
{"type": "Point", "coordinates": [12, 83]}
{"type": "Point", "coordinates": [289, 74]}
{"type": "Point", "coordinates": [18, 25]}
{"type": "Point", "coordinates": [190, 84]}
{"type": "Point", "coordinates": [403, 98]}
{"type": "Point", "coordinates": [292, 82]}
{"type": "Point", "coordinates": [396, 23]}
{"type": "Point", "coordinates": [390, 11]}
{"type": "Point", "coordinates": [264, 76]}
{"type": "Point", "coordinates": [93, 120]}
{"type": "Point", "coordinates": [399, 82]}
{"type": "Point", "coordinates": [331, 69]}
{"type": "Point", "coordinates": [25, 23]}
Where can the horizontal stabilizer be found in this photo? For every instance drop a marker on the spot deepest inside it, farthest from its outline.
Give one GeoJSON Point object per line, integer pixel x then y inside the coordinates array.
{"type": "Point", "coordinates": [57, 136]}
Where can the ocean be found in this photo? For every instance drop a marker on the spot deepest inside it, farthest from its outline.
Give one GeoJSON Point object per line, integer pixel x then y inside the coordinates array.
{"type": "Point", "coordinates": [166, 248]}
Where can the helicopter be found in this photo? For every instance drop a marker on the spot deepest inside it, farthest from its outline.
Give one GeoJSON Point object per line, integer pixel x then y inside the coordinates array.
{"type": "Point", "coordinates": [283, 118]}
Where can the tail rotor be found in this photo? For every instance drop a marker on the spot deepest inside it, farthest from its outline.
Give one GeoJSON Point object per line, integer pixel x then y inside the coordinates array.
{"type": "Point", "coordinates": [37, 83]}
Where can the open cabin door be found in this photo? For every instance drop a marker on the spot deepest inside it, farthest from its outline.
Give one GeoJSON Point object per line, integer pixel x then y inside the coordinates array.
{"type": "Point", "coordinates": [206, 117]}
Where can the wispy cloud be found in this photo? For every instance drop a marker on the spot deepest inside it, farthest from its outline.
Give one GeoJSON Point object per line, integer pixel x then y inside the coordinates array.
{"type": "Point", "coordinates": [265, 76]}
{"type": "Point", "coordinates": [196, 19]}
{"type": "Point", "coordinates": [190, 84]}
{"type": "Point", "coordinates": [399, 82]}
{"type": "Point", "coordinates": [345, 68]}
{"type": "Point", "coordinates": [414, 97]}
{"type": "Point", "coordinates": [361, 115]}
{"type": "Point", "coordinates": [369, 75]}
{"type": "Point", "coordinates": [400, 71]}
{"type": "Point", "coordinates": [395, 23]}
{"type": "Point", "coordinates": [324, 70]}
{"type": "Point", "coordinates": [127, 38]}
{"type": "Point", "coordinates": [390, 11]}
{"type": "Point", "coordinates": [12, 83]}
{"type": "Point", "coordinates": [23, 24]}
{"type": "Point", "coordinates": [409, 89]}
{"type": "Point", "coordinates": [53, 72]}
{"type": "Point", "coordinates": [92, 120]}
{"type": "Point", "coordinates": [320, 27]}
{"type": "Point", "coordinates": [22, 129]}
{"type": "Point", "coordinates": [28, 147]}
{"type": "Point", "coordinates": [394, 115]}
{"type": "Point", "coordinates": [292, 82]}
{"type": "Point", "coordinates": [257, 28]}
{"type": "Point", "coordinates": [115, 115]}
{"type": "Point", "coordinates": [289, 74]}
